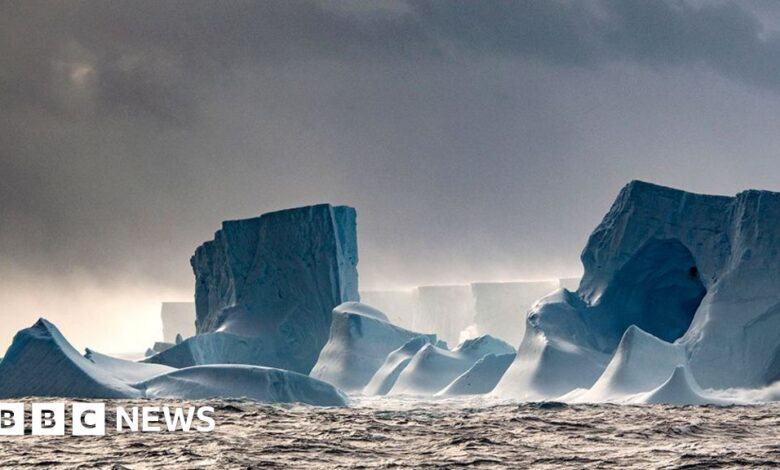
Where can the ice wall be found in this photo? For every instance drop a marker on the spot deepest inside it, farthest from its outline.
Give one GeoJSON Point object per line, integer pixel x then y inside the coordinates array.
{"type": "Point", "coordinates": [399, 305]}
{"type": "Point", "coordinates": [177, 318]}
{"type": "Point", "coordinates": [700, 270]}
{"type": "Point", "coordinates": [444, 310]}
{"type": "Point", "coordinates": [276, 278]}
{"type": "Point", "coordinates": [500, 308]}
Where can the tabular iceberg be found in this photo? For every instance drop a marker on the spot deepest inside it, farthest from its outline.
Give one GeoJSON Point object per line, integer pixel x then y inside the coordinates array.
{"type": "Point", "coordinates": [274, 279]}
{"type": "Point", "coordinates": [500, 307]}
{"type": "Point", "coordinates": [177, 318]}
{"type": "Point", "coordinates": [360, 340]}
{"type": "Point", "coordinates": [700, 271]}
{"type": "Point", "coordinates": [432, 368]}
{"type": "Point", "coordinates": [399, 305]}
{"type": "Point", "coordinates": [445, 310]}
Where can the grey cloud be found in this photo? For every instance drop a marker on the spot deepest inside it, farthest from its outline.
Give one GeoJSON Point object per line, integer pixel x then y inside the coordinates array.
{"type": "Point", "coordinates": [156, 59]}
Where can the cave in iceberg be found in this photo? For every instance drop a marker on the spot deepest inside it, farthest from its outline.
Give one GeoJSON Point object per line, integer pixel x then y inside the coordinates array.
{"type": "Point", "coordinates": [699, 271]}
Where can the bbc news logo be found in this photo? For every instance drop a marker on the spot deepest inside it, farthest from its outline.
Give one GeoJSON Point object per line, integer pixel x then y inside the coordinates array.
{"type": "Point", "coordinates": [89, 419]}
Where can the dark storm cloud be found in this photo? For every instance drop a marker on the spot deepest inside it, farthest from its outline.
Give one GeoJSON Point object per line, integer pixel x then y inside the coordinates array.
{"type": "Point", "coordinates": [108, 110]}
{"type": "Point", "coordinates": [152, 59]}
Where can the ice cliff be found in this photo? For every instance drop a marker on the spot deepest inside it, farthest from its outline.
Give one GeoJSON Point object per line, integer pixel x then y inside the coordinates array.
{"type": "Point", "coordinates": [177, 318]}
{"type": "Point", "coordinates": [274, 280]}
{"type": "Point", "coordinates": [699, 271]}
{"type": "Point", "coordinates": [500, 307]}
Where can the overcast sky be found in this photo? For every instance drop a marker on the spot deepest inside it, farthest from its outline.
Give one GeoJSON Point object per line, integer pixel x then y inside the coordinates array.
{"type": "Point", "coordinates": [477, 140]}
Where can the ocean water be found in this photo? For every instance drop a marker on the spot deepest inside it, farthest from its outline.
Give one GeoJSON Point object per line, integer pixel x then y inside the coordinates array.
{"type": "Point", "coordinates": [473, 433]}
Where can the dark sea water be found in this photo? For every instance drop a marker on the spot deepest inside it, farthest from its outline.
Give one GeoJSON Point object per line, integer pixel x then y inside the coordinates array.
{"type": "Point", "coordinates": [445, 434]}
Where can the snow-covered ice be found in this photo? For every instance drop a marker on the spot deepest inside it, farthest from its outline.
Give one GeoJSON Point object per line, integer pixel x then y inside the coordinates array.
{"type": "Point", "coordinates": [395, 362]}
{"type": "Point", "coordinates": [360, 340]}
{"type": "Point", "coordinates": [276, 278]}
{"type": "Point", "coordinates": [481, 378]}
{"type": "Point", "coordinates": [265, 384]}
{"type": "Point", "coordinates": [432, 368]}
{"type": "Point", "coordinates": [41, 362]}
{"type": "Point", "coordinates": [695, 270]}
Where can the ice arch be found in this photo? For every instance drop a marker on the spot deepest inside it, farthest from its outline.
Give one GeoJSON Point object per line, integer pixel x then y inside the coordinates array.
{"type": "Point", "coordinates": [658, 289]}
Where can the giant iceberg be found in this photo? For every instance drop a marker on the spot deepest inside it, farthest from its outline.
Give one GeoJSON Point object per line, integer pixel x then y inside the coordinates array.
{"type": "Point", "coordinates": [500, 307]}
{"type": "Point", "coordinates": [273, 279]}
{"type": "Point", "coordinates": [360, 340]}
{"type": "Point", "coordinates": [399, 305]}
{"type": "Point", "coordinates": [41, 362]}
{"type": "Point", "coordinates": [178, 318]}
{"type": "Point", "coordinates": [696, 270]}
{"type": "Point", "coordinates": [444, 310]}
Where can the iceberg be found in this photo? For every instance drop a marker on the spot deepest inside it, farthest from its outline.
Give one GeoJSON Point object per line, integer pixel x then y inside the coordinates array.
{"type": "Point", "coordinates": [695, 270]}
{"type": "Point", "coordinates": [124, 370]}
{"type": "Point", "coordinates": [395, 362]}
{"type": "Point", "coordinates": [241, 381]}
{"type": "Point", "coordinates": [274, 279]}
{"type": "Point", "coordinates": [178, 318]}
{"type": "Point", "coordinates": [444, 310]}
{"type": "Point", "coordinates": [500, 307]}
{"type": "Point", "coordinates": [679, 389]}
{"type": "Point", "coordinates": [481, 378]}
{"type": "Point", "coordinates": [399, 305]}
{"type": "Point", "coordinates": [41, 362]}
{"type": "Point", "coordinates": [360, 340]}
{"type": "Point", "coordinates": [641, 362]}
{"type": "Point", "coordinates": [432, 368]}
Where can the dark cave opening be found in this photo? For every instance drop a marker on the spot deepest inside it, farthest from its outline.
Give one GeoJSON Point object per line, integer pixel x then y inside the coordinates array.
{"type": "Point", "coordinates": [659, 290]}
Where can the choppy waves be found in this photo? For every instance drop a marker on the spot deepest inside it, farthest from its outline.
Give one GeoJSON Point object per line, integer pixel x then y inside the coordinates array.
{"type": "Point", "coordinates": [444, 434]}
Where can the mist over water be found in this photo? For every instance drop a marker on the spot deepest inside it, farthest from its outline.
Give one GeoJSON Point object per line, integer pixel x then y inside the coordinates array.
{"type": "Point", "coordinates": [468, 433]}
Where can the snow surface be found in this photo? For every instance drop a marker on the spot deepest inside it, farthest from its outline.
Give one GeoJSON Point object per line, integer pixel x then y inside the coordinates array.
{"type": "Point", "coordinates": [547, 367]}
{"type": "Point", "coordinates": [124, 370]}
{"type": "Point", "coordinates": [277, 277]}
{"type": "Point", "coordinates": [481, 378]}
{"type": "Point", "coordinates": [241, 381]}
{"type": "Point", "coordinates": [641, 362]}
{"type": "Point", "coordinates": [700, 271]}
{"type": "Point", "coordinates": [177, 318]}
{"type": "Point", "coordinates": [359, 342]}
{"type": "Point", "coordinates": [395, 362]}
{"type": "Point", "coordinates": [679, 389]}
{"type": "Point", "coordinates": [41, 362]}
{"type": "Point", "coordinates": [432, 368]}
